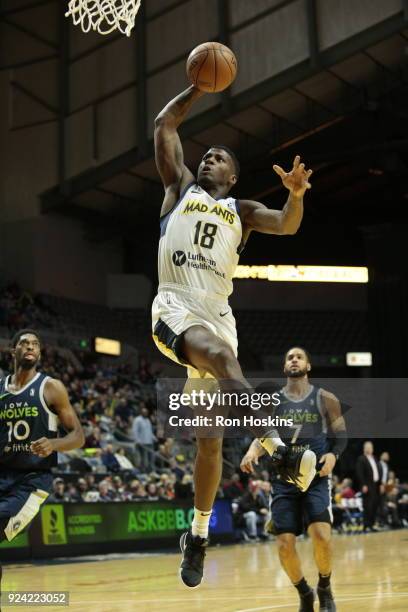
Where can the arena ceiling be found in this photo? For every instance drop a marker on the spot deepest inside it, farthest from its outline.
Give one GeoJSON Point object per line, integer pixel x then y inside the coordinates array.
{"type": "Point", "coordinates": [344, 110]}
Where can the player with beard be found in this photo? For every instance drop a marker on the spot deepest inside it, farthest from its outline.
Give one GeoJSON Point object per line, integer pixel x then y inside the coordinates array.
{"type": "Point", "coordinates": [32, 405]}
{"type": "Point", "coordinates": [318, 425]}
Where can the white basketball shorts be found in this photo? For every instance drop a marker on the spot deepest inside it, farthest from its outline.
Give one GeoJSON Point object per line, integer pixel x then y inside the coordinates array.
{"type": "Point", "coordinates": [176, 308]}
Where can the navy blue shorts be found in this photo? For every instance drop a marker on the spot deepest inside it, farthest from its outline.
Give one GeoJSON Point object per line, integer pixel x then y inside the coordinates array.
{"type": "Point", "coordinates": [21, 496]}
{"type": "Point", "coordinates": [293, 511]}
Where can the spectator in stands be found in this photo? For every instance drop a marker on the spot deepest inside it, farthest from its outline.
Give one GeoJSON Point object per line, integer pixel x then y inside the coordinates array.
{"type": "Point", "coordinates": [109, 460]}
{"type": "Point", "coordinates": [382, 507]}
{"type": "Point", "coordinates": [178, 466]}
{"type": "Point", "coordinates": [118, 488]}
{"type": "Point", "coordinates": [253, 510]}
{"type": "Point", "coordinates": [144, 372]}
{"type": "Point", "coordinates": [385, 463]}
{"type": "Point", "coordinates": [140, 492]}
{"type": "Point", "coordinates": [124, 412]}
{"type": "Point", "coordinates": [90, 482]}
{"type": "Point", "coordinates": [124, 462]}
{"type": "Point", "coordinates": [183, 489]}
{"type": "Point", "coordinates": [233, 488]}
{"type": "Point", "coordinates": [94, 458]}
{"type": "Point", "coordinates": [151, 490]}
{"type": "Point", "coordinates": [59, 494]}
{"type": "Point", "coordinates": [73, 493]}
{"type": "Point", "coordinates": [346, 489]}
{"type": "Point", "coordinates": [93, 440]}
{"type": "Point", "coordinates": [142, 431]}
{"type": "Point", "coordinates": [82, 487]}
{"type": "Point", "coordinates": [105, 494]}
{"type": "Point", "coordinates": [368, 472]}
{"type": "Point", "coordinates": [402, 501]}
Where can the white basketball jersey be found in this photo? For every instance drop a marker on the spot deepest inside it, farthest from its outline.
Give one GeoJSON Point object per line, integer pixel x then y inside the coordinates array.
{"type": "Point", "coordinates": [200, 241]}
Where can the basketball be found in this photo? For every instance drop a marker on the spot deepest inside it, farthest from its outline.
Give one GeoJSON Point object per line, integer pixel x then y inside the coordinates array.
{"type": "Point", "coordinates": [211, 67]}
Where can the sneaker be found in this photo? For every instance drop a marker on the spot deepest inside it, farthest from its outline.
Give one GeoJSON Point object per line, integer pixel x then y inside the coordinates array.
{"type": "Point", "coordinates": [307, 601]}
{"type": "Point", "coordinates": [294, 467]}
{"type": "Point", "coordinates": [192, 564]}
{"type": "Point", "coordinates": [326, 600]}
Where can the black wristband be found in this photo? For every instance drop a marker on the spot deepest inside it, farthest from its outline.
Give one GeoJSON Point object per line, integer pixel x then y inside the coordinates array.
{"type": "Point", "coordinates": [338, 443]}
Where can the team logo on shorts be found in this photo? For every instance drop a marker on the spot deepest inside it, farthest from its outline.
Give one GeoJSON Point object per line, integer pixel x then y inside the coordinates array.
{"type": "Point", "coordinates": [179, 258]}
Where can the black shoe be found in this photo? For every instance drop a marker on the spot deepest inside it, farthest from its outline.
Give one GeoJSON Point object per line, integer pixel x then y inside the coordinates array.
{"type": "Point", "coordinates": [306, 601]}
{"type": "Point", "coordinates": [298, 468]}
{"type": "Point", "coordinates": [192, 564]}
{"type": "Point", "coordinates": [326, 600]}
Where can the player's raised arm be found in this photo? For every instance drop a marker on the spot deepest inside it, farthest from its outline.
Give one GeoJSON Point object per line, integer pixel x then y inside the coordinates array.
{"type": "Point", "coordinates": [56, 397]}
{"type": "Point", "coordinates": [259, 218]}
{"type": "Point", "coordinates": [167, 144]}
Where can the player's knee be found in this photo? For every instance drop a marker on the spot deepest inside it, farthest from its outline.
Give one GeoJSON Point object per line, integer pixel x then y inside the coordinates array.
{"type": "Point", "coordinates": [286, 547]}
{"type": "Point", "coordinates": [210, 448]}
{"type": "Point", "coordinates": [222, 359]}
{"type": "Point", "coordinates": [321, 536]}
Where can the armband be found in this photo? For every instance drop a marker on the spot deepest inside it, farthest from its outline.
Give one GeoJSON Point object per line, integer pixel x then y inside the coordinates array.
{"type": "Point", "coordinates": [338, 443]}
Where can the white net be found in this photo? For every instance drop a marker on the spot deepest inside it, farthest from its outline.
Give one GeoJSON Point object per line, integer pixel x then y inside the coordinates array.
{"type": "Point", "coordinates": [104, 16]}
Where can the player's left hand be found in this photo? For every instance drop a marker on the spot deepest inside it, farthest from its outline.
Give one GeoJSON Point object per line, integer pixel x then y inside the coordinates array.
{"type": "Point", "coordinates": [43, 447]}
{"type": "Point", "coordinates": [328, 461]}
{"type": "Point", "coordinates": [297, 180]}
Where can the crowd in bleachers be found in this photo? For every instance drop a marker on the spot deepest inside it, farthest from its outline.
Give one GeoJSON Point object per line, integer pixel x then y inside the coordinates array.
{"type": "Point", "coordinates": [124, 457]}
{"type": "Point", "coordinates": [20, 309]}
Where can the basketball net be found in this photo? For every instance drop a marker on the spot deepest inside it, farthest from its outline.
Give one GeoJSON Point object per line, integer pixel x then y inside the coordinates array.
{"type": "Point", "coordinates": [104, 16]}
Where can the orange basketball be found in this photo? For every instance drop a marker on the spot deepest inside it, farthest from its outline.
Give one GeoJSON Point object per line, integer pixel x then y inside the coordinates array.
{"type": "Point", "coordinates": [211, 67]}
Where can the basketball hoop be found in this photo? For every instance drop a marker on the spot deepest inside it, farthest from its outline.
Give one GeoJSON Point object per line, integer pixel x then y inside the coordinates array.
{"type": "Point", "coordinates": [104, 16]}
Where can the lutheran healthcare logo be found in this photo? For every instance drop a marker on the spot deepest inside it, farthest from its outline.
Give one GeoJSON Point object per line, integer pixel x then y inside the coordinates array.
{"type": "Point", "coordinates": [179, 258]}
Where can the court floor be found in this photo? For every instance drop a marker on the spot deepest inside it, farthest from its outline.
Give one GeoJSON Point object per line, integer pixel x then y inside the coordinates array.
{"type": "Point", "coordinates": [371, 573]}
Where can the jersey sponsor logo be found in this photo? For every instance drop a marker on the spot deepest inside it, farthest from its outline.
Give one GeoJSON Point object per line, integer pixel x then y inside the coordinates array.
{"type": "Point", "coordinates": [18, 448]}
{"type": "Point", "coordinates": [197, 261]}
{"type": "Point", "coordinates": [194, 206]}
{"type": "Point", "coordinates": [179, 258]}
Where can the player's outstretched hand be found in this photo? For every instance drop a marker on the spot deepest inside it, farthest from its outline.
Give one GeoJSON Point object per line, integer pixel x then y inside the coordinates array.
{"type": "Point", "coordinates": [42, 447]}
{"type": "Point", "coordinates": [248, 462]}
{"type": "Point", "coordinates": [297, 180]}
{"type": "Point", "coordinates": [327, 461]}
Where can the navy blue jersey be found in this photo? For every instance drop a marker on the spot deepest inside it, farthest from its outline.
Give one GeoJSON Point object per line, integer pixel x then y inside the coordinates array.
{"type": "Point", "coordinates": [309, 429]}
{"type": "Point", "coordinates": [24, 418]}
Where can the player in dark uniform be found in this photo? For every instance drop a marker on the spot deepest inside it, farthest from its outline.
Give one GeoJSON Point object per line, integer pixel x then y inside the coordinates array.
{"type": "Point", "coordinates": [31, 407]}
{"type": "Point", "coordinates": [319, 426]}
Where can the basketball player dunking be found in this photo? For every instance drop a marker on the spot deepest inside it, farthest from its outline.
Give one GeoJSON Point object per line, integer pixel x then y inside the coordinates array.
{"type": "Point", "coordinates": [319, 426]}
{"type": "Point", "coordinates": [202, 233]}
{"type": "Point", "coordinates": [31, 406]}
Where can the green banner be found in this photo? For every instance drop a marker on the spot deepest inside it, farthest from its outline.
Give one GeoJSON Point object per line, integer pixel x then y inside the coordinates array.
{"type": "Point", "coordinates": [20, 541]}
{"type": "Point", "coordinates": [105, 522]}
